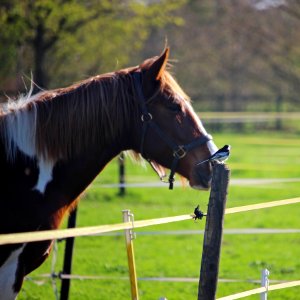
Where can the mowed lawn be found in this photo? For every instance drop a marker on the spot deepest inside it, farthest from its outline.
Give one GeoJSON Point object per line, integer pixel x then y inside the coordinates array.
{"type": "Point", "coordinates": [262, 156]}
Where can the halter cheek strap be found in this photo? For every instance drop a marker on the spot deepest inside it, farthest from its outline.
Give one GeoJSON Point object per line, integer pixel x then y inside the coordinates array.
{"type": "Point", "coordinates": [179, 151]}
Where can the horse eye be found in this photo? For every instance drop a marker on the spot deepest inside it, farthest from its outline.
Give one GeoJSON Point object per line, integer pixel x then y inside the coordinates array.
{"type": "Point", "coordinates": [174, 107]}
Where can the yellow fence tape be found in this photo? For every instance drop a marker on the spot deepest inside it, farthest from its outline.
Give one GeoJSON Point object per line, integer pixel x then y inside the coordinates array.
{"type": "Point", "coordinates": [262, 290]}
{"type": "Point", "coordinates": [36, 236]}
{"type": "Point", "coordinates": [245, 208]}
{"type": "Point", "coordinates": [93, 230]}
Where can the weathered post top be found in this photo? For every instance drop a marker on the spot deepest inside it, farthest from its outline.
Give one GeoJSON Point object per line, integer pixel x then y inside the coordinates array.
{"type": "Point", "coordinates": [213, 233]}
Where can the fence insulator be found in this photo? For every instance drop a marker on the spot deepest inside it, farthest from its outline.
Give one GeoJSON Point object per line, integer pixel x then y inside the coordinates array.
{"type": "Point", "coordinates": [129, 236]}
{"type": "Point", "coordinates": [264, 283]}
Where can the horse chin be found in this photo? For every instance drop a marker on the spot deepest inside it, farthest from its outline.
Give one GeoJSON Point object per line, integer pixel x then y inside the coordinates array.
{"type": "Point", "coordinates": [200, 186]}
{"type": "Point", "coordinates": [201, 178]}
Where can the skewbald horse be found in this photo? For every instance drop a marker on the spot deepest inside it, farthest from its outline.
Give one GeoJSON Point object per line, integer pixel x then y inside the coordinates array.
{"type": "Point", "coordinates": [53, 144]}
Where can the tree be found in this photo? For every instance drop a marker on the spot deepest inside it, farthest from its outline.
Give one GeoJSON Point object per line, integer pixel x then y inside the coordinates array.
{"type": "Point", "coordinates": [238, 55]}
{"type": "Point", "coordinates": [62, 41]}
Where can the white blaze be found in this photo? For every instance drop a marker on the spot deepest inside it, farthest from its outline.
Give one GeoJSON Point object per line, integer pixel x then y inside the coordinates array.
{"type": "Point", "coordinates": [212, 147]}
{"type": "Point", "coordinates": [210, 144]}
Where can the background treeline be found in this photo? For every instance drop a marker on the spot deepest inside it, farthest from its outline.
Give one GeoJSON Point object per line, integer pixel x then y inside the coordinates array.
{"type": "Point", "coordinates": [238, 55]}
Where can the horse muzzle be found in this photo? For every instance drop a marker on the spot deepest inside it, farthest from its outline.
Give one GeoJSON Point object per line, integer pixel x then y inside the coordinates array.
{"type": "Point", "coordinates": [201, 177]}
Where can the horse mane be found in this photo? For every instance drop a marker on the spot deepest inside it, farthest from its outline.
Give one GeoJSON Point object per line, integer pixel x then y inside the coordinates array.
{"type": "Point", "coordinates": [57, 120]}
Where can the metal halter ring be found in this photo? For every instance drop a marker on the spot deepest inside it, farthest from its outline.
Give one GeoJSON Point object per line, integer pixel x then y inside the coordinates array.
{"type": "Point", "coordinates": [180, 152]}
{"type": "Point", "coordinates": [147, 117]}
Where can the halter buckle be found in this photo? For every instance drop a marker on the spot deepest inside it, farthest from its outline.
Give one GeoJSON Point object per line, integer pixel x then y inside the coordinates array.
{"type": "Point", "coordinates": [180, 152]}
{"type": "Point", "coordinates": [146, 117]}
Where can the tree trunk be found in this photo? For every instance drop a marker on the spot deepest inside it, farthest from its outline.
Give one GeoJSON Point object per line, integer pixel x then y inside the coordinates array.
{"type": "Point", "coordinates": [39, 75]}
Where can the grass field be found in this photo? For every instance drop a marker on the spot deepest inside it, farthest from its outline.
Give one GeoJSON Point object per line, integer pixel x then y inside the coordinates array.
{"type": "Point", "coordinates": [264, 155]}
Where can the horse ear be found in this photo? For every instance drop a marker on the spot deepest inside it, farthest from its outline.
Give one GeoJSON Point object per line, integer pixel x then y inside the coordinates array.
{"type": "Point", "coordinates": [158, 66]}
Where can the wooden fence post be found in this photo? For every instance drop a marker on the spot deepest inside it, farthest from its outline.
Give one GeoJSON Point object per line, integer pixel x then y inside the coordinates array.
{"type": "Point", "coordinates": [129, 236]}
{"type": "Point", "coordinates": [67, 267]}
{"type": "Point", "coordinates": [121, 161]}
{"type": "Point", "coordinates": [213, 233]}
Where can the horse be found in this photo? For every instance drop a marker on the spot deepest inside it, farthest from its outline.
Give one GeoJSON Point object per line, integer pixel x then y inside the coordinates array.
{"type": "Point", "coordinates": [54, 143]}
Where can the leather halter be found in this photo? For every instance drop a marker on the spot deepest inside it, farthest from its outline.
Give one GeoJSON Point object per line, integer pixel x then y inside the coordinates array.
{"type": "Point", "coordinates": [179, 151]}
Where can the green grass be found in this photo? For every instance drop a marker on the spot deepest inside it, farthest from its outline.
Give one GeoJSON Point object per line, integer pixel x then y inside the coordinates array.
{"type": "Point", "coordinates": [265, 155]}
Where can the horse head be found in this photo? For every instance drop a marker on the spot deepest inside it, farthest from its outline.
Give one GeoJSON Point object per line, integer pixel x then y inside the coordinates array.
{"type": "Point", "coordinates": [170, 134]}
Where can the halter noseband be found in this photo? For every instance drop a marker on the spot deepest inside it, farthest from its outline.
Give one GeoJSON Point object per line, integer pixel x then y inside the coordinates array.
{"type": "Point", "coordinates": [179, 151]}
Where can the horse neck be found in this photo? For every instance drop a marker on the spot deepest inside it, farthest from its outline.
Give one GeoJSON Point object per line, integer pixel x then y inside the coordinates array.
{"type": "Point", "coordinates": [88, 138]}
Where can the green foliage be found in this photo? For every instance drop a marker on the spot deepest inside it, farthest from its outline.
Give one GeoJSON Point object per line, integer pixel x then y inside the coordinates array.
{"type": "Point", "coordinates": [70, 40]}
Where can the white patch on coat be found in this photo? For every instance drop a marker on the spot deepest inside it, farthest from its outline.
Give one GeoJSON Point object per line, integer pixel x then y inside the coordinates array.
{"type": "Point", "coordinates": [45, 175]}
{"type": "Point", "coordinates": [8, 275]}
{"type": "Point", "coordinates": [20, 132]}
